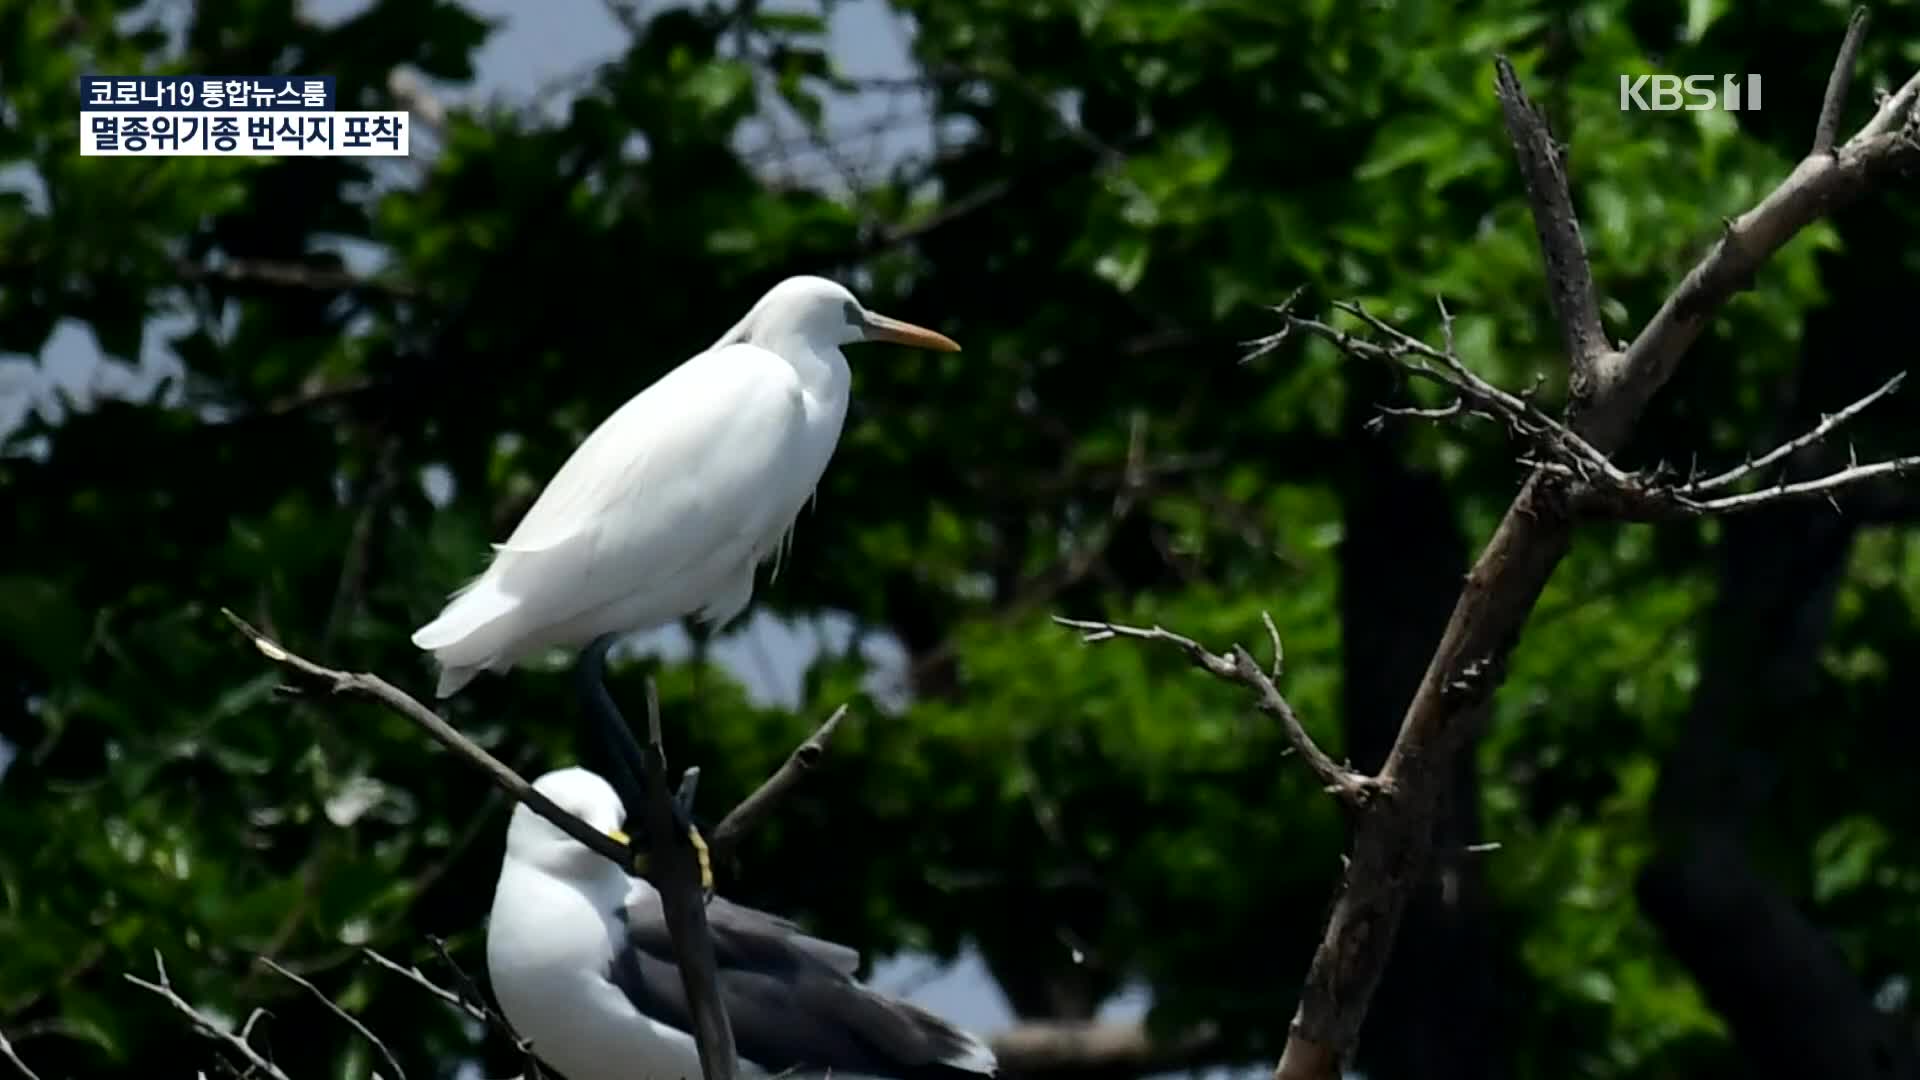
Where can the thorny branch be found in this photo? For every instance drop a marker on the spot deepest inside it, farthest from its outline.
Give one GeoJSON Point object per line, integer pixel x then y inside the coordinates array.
{"type": "Point", "coordinates": [1598, 487]}
{"type": "Point", "coordinates": [1238, 666]}
{"type": "Point", "coordinates": [1393, 845]}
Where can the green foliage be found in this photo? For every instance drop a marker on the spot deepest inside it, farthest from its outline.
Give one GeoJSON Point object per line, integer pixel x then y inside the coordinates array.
{"type": "Point", "coordinates": [1139, 179]}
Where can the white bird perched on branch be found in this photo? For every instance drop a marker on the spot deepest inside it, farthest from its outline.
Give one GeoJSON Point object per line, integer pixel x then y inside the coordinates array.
{"type": "Point", "coordinates": [581, 962]}
{"type": "Point", "coordinates": [670, 506]}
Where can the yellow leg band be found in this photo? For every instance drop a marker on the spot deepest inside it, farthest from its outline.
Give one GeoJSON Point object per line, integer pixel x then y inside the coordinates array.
{"type": "Point", "coordinates": [706, 859]}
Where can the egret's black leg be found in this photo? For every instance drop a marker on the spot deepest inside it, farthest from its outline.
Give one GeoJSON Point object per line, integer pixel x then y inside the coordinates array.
{"type": "Point", "coordinates": [624, 755]}
{"type": "Point", "coordinates": [627, 759]}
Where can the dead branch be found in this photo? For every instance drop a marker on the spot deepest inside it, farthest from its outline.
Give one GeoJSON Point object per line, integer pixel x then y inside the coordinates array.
{"type": "Point", "coordinates": [1827, 426]}
{"type": "Point", "coordinates": [680, 874]}
{"type": "Point", "coordinates": [756, 806]}
{"type": "Point", "coordinates": [1595, 486]}
{"type": "Point", "coordinates": [1065, 1048]}
{"type": "Point", "coordinates": [374, 687]}
{"type": "Point", "coordinates": [1838, 80]}
{"type": "Point", "coordinates": [352, 1021]}
{"type": "Point", "coordinates": [1238, 666]}
{"type": "Point", "coordinates": [256, 275]}
{"type": "Point", "coordinates": [469, 1000]}
{"type": "Point", "coordinates": [205, 1025]}
{"type": "Point", "coordinates": [1562, 251]}
{"type": "Point", "coordinates": [1392, 845]}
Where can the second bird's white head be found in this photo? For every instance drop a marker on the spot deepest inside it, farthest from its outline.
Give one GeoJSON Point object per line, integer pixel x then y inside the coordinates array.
{"type": "Point", "coordinates": [824, 313]}
{"type": "Point", "coordinates": [536, 842]}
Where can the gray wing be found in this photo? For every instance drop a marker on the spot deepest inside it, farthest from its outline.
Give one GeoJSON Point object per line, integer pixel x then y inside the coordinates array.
{"type": "Point", "coordinates": [744, 926]}
{"type": "Point", "coordinates": [791, 999]}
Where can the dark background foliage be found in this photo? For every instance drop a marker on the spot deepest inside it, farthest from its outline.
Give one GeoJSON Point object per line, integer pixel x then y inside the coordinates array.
{"type": "Point", "coordinates": [1698, 769]}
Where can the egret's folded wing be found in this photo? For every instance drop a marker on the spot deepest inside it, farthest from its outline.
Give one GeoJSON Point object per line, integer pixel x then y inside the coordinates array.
{"type": "Point", "coordinates": [688, 467]}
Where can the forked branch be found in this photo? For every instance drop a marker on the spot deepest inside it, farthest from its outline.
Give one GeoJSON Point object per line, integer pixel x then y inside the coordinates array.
{"type": "Point", "coordinates": [1353, 789]}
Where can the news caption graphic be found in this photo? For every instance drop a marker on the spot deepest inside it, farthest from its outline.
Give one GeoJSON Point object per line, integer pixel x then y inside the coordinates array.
{"type": "Point", "coordinates": [230, 116]}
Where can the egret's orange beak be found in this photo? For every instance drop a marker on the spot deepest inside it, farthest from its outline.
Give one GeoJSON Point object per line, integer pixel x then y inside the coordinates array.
{"type": "Point", "coordinates": [882, 328]}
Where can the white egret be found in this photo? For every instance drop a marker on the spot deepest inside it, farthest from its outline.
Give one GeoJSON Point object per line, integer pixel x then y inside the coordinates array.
{"type": "Point", "coordinates": [671, 505]}
{"type": "Point", "coordinates": [582, 966]}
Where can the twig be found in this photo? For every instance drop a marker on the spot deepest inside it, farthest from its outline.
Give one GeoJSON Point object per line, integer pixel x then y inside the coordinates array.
{"type": "Point", "coordinates": [479, 1012]}
{"type": "Point", "coordinates": [1600, 487]}
{"type": "Point", "coordinates": [1475, 394]}
{"type": "Point", "coordinates": [301, 277]}
{"type": "Point", "coordinates": [1352, 788]}
{"type": "Point", "coordinates": [202, 1024]}
{"type": "Point", "coordinates": [471, 1002]}
{"type": "Point", "coordinates": [1569, 278]}
{"type": "Point", "coordinates": [1826, 427]}
{"type": "Point", "coordinates": [7, 1051]}
{"type": "Point", "coordinates": [1818, 486]}
{"type": "Point", "coordinates": [374, 687]}
{"type": "Point", "coordinates": [1838, 80]}
{"type": "Point", "coordinates": [756, 806]}
{"type": "Point", "coordinates": [676, 873]}
{"type": "Point", "coordinates": [352, 1021]}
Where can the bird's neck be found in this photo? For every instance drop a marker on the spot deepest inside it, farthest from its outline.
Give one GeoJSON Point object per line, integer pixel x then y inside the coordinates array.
{"type": "Point", "coordinates": [822, 368]}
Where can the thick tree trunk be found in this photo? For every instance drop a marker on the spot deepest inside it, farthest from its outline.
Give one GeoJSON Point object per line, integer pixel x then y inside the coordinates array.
{"type": "Point", "coordinates": [1401, 566]}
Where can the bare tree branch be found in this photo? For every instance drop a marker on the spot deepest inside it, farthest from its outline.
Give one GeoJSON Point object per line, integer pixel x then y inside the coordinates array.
{"type": "Point", "coordinates": [374, 687]}
{"type": "Point", "coordinates": [756, 806]}
{"type": "Point", "coordinates": [352, 1021]}
{"type": "Point", "coordinates": [470, 1001]}
{"type": "Point", "coordinates": [1238, 666]}
{"type": "Point", "coordinates": [204, 1025]}
{"type": "Point", "coordinates": [271, 274]}
{"type": "Point", "coordinates": [1838, 80]}
{"type": "Point", "coordinates": [1569, 278]}
{"type": "Point", "coordinates": [1827, 426]}
{"type": "Point", "coordinates": [1061, 1049]}
{"type": "Point", "coordinates": [678, 874]}
{"type": "Point", "coordinates": [1596, 487]}
{"type": "Point", "coordinates": [479, 1010]}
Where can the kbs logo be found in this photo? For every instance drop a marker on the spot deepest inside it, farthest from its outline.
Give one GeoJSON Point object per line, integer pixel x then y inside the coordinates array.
{"type": "Point", "coordinates": [1694, 93]}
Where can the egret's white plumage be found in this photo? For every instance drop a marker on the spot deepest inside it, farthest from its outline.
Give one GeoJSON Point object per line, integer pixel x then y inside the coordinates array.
{"type": "Point", "coordinates": [580, 961]}
{"type": "Point", "coordinates": [670, 506]}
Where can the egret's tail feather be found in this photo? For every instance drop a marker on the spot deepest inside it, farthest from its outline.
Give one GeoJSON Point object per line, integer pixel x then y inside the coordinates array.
{"type": "Point", "coordinates": [452, 679]}
{"type": "Point", "coordinates": [452, 633]}
{"type": "Point", "coordinates": [471, 634]}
